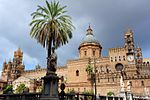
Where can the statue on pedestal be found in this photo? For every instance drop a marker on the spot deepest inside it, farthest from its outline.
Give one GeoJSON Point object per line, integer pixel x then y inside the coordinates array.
{"type": "Point", "coordinates": [52, 62]}
{"type": "Point", "coordinates": [129, 86]}
{"type": "Point", "coordinates": [122, 84]}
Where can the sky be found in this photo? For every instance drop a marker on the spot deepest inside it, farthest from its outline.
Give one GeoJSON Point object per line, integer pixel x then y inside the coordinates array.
{"type": "Point", "coordinates": [109, 19]}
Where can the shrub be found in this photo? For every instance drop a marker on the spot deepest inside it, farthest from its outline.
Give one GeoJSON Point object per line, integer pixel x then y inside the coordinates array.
{"type": "Point", "coordinates": [110, 93]}
{"type": "Point", "coordinates": [71, 91]}
{"type": "Point", "coordinates": [88, 92]}
{"type": "Point", "coordinates": [20, 88]}
{"type": "Point", "coordinates": [8, 89]}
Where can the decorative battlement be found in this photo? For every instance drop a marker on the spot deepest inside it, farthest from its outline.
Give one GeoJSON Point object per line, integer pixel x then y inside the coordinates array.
{"type": "Point", "coordinates": [137, 77]}
{"type": "Point", "coordinates": [41, 69]}
{"type": "Point", "coordinates": [144, 64]}
{"type": "Point", "coordinates": [33, 70]}
{"type": "Point", "coordinates": [119, 49]}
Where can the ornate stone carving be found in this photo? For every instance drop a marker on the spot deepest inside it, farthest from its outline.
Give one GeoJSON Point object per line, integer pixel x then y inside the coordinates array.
{"type": "Point", "coordinates": [129, 86]}
{"type": "Point", "coordinates": [122, 84]}
{"type": "Point", "coordinates": [52, 62]}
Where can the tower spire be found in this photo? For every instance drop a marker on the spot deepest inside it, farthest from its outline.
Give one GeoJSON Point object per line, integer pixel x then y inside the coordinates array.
{"type": "Point", "coordinates": [129, 30]}
{"type": "Point", "coordinates": [89, 30]}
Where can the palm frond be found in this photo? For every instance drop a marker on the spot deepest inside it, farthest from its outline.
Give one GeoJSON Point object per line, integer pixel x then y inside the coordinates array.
{"type": "Point", "coordinates": [50, 25]}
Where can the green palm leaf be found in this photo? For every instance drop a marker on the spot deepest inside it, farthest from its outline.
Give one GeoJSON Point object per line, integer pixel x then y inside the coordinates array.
{"type": "Point", "coordinates": [50, 26]}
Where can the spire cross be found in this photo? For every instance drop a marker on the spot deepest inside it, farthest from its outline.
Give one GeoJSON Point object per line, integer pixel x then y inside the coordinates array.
{"type": "Point", "coordinates": [89, 30]}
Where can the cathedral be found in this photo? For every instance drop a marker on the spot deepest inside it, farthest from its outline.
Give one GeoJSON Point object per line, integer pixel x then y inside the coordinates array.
{"type": "Point", "coordinates": [91, 71]}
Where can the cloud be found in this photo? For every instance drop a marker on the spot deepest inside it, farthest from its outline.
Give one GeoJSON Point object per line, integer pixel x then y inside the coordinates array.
{"type": "Point", "coordinates": [109, 20]}
{"type": "Point", "coordinates": [30, 62]}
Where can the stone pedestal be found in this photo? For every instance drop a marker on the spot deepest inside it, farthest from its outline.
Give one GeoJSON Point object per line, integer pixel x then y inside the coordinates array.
{"type": "Point", "coordinates": [50, 91]}
{"type": "Point", "coordinates": [124, 95]}
{"type": "Point", "coordinates": [129, 96]}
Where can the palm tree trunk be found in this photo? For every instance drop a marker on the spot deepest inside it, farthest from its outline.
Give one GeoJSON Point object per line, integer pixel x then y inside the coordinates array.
{"type": "Point", "coordinates": [49, 49]}
{"type": "Point", "coordinates": [48, 56]}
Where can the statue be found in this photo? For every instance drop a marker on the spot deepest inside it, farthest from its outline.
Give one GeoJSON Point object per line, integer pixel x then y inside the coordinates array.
{"type": "Point", "coordinates": [122, 84]}
{"type": "Point", "coordinates": [52, 62]}
{"type": "Point", "coordinates": [128, 86]}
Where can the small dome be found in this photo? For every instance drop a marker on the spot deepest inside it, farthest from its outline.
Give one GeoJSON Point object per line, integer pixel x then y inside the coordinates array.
{"type": "Point", "coordinates": [89, 38]}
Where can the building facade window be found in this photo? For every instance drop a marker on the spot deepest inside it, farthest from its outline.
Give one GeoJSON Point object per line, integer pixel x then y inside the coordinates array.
{"type": "Point", "coordinates": [85, 53]}
{"type": "Point", "coordinates": [77, 72]}
{"type": "Point", "coordinates": [119, 58]}
{"type": "Point", "coordinates": [98, 80]}
{"type": "Point", "coordinates": [115, 58]}
{"type": "Point", "coordinates": [142, 83]}
{"type": "Point", "coordinates": [93, 52]}
{"type": "Point", "coordinates": [111, 59]}
{"type": "Point", "coordinates": [131, 83]}
{"type": "Point", "coordinates": [113, 79]}
{"type": "Point", "coordinates": [84, 89]}
{"type": "Point", "coordinates": [124, 58]}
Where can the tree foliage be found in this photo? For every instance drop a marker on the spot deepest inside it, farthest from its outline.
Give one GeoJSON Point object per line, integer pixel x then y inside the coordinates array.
{"type": "Point", "coordinates": [8, 89]}
{"type": "Point", "coordinates": [88, 92]}
{"type": "Point", "coordinates": [110, 93]}
{"type": "Point", "coordinates": [50, 25]}
{"type": "Point", "coordinates": [89, 69]}
{"type": "Point", "coordinates": [20, 88]}
{"type": "Point", "coordinates": [71, 91]}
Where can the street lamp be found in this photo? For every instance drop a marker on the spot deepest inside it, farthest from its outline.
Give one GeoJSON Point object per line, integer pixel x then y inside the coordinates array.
{"type": "Point", "coordinates": [95, 87]}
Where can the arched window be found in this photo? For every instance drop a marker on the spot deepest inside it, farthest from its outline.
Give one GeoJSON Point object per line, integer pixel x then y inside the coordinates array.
{"type": "Point", "coordinates": [93, 52]}
{"type": "Point", "coordinates": [142, 83]}
{"type": "Point", "coordinates": [119, 58]}
{"type": "Point", "coordinates": [98, 80]}
{"type": "Point", "coordinates": [113, 79]}
{"type": "Point", "coordinates": [111, 59]}
{"type": "Point", "coordinates": [84, 89]}
{"type": "Point", "coordinates": [131, 83]}
{"type": "Point", "coordinates": [77, 72]}
{"type": "Point", "coordinates": [115, 58]}
{"type": "Point", "coordinates": [124, 58]}
{"type": "Point", "coordinates": [85, 53]}
{"type": "Point", "coordinates": [119, 67]}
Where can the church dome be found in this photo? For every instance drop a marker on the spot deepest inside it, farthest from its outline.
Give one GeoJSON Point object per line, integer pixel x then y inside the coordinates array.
{"type": "Point", "coordinates": [89, 38]}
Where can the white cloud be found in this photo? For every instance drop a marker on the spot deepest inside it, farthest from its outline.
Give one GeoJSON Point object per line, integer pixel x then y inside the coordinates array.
{"type": "Point", "coordinates": [29, 62]}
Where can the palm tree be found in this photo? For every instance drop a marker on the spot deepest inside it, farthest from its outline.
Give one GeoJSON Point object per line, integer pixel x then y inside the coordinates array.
{"type": "Point", "coordinates": [50, 26]}
{"type": "Point", "coordinates": [89, 69]}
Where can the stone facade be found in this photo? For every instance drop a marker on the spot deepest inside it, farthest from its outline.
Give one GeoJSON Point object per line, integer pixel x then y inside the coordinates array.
{"type": "Point", "coordinates": [13, 69]}
{"type": "Point", "coordinates": [126, 61]}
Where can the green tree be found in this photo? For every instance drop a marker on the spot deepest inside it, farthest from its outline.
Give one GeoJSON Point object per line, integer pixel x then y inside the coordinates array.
{"type": "Point", "coordinates": [88, 92]}
{"type": "Point", "coordinates": [50, 26]}
{"type": "Point", "coordinates": [88, 95]}
{"type": "Point", "coordinates": [71, 91]}
{"type": "Point", "coordinates": [110, 93]}
{"type": "Point", "coordinates": [20, 88]}
{"type": "Point", "coordinates": [8, 89]}
{"type": "Point", "coordinates": [89, 69]}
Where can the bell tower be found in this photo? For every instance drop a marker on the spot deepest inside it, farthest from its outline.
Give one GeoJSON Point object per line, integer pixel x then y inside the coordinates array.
{"type": "Point", "coordinates": [129, 41]}
{"type": "Point", "coordinates": [138, 54]}
{"type": "Point", "coordinates": [129, 46]}
{"type": "Point", "coordinates": [89, 46]}
{"type": "Point", "coordinates": [17, 62]}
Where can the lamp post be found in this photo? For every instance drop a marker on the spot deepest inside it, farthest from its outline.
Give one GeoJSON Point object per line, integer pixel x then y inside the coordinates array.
{"type": "Point", "coordinates": [94, 74]}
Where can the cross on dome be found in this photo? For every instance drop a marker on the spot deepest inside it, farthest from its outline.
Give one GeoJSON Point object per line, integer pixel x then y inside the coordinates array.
{"type": "Point", "coordinates": [89, 31]}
